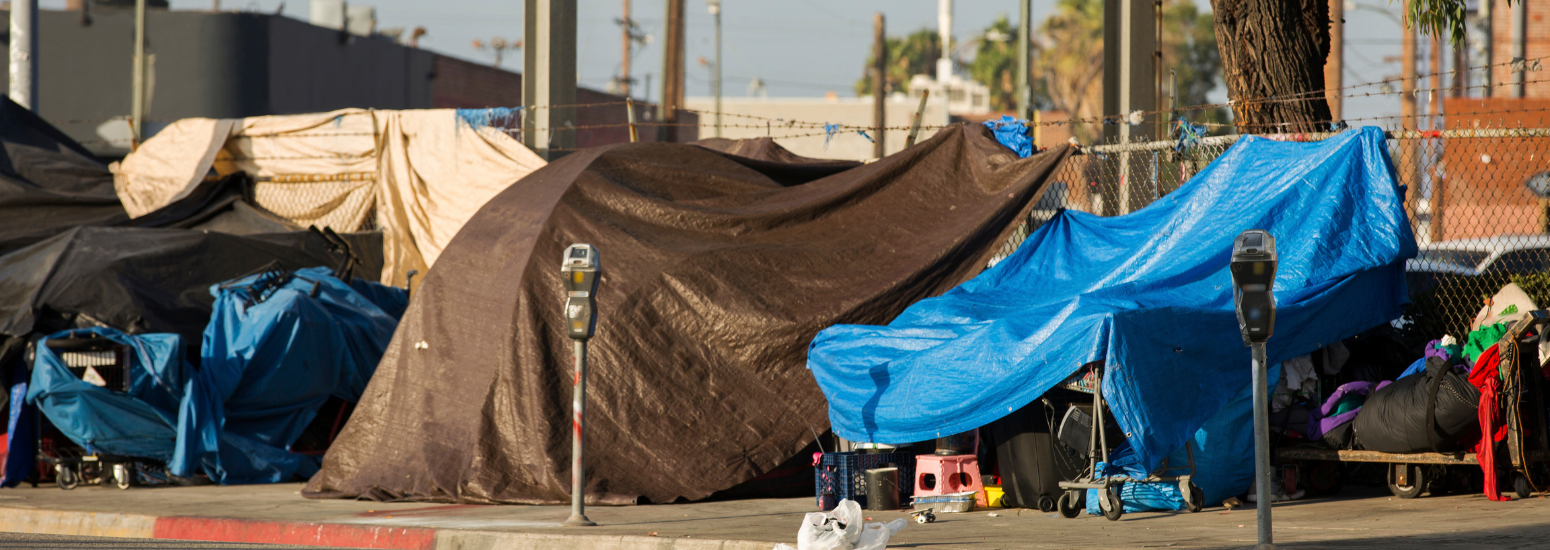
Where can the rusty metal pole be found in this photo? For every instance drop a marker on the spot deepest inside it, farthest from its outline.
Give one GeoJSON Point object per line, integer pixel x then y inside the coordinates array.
{"type": "Point", "coordinates": [879, 86]}
{"type": "Point", "coordinates": [1334, 67]}
{"type": "Point", "coordinates": [1407, 119]}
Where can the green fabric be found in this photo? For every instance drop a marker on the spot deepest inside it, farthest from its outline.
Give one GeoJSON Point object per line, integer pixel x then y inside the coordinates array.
{"type": "Point", "coordinates": [1349, 402]}
{"type": "Point", "coordinates": [1482, 339]}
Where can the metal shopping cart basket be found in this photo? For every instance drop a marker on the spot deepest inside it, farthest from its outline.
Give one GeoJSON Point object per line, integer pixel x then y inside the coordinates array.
{"type": "Point", "coordinates": [1089, 379]}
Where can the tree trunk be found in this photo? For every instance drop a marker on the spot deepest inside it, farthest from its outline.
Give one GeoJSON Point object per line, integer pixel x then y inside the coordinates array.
{"type": "Point", "coordinates": [1273, 54]}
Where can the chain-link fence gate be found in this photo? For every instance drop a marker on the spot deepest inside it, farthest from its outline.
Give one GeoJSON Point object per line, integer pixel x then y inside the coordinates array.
{"type": "Point", "coordinates": [1478, 202]}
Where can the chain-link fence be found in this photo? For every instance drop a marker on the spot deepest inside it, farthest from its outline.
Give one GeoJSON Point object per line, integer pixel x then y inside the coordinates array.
{"type": "Point", "coordinates": [1478, 202]}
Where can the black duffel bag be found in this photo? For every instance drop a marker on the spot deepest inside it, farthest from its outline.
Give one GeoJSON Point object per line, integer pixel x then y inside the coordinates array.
{"type": "Point", "coordinates": [1427, 411]}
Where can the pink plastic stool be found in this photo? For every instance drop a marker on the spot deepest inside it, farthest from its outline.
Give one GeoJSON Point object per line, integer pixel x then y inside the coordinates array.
{"type": "Point", "coordinates": [945, 475]}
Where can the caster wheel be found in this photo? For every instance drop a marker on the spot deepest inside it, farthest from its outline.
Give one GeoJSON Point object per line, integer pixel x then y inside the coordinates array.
{"type": "Point", "coordinates": [66, 477]}
{"type": "Point", "coordinates": [1521, 486]}
{"type": "Point", "coordinates": [1325, 478]}
{"type": "Point", "coordinates": [1194, 497]}
{"type": "Point", "coordinates": [920, 518]}
{"type": "Point", "coordinates": [123, 477]}
{"type": "Point", "coordinates": [1110, 503]}
{"type": "Point", "coordinates": [1046, 504]}
{"type": "Point", "coordinates": [1070, 504]}
{"type": "Point", "coordinates": [1414, 486]}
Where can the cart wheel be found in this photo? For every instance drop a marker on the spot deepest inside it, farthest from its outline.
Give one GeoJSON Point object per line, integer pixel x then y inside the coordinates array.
{"type": "Point", "coordinates": [1110, 503]}
{"type": "Point", "coordinates": [66, 477]}
{"type": "Point", "coordinates": [1046, 504]}
{"type": "Point", "coordinates": [1521, 486]}
{"type": "Point", "coordinates": [1417, 483]}
{"type": "Point", "coordinates": [1070, 504]}
{"type": "Point", "coordinates": [1325, 477]}
{"type": "Point", "coordinates": [1195, 499]}
{"type": "Point", "coordinates": [920, 518]}
{"type": "Point", "coordinates": [123, 478]}
{"type": "Point", "coordinates": [930, 517]}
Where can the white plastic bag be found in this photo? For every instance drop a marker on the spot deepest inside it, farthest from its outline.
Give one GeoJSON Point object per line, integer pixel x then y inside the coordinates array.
{"type": "Point", "coordinates": [842, 530]}
{"type": "Point", "coordinates": [836, 530]}
{"type": "Point", "coordinates": [875, 536]}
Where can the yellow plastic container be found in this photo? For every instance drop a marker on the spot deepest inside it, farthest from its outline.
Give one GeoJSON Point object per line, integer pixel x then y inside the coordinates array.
{"type": "Point", "coordinates": [991, 497]}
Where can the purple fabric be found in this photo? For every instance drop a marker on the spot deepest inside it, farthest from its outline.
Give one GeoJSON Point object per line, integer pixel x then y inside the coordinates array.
{"type": "Point", "coordinates": [1318, 420]}
{"type": "Point", "coordinates": [1434, 349]}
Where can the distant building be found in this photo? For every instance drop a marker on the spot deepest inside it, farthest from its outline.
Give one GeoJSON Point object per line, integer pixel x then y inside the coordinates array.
{"type": "Point", "coordinates": [797, 122]}
{"type": "Point", "coordinates": [239, 64]}
{"type": "Point", "coordinates": [964, 96]}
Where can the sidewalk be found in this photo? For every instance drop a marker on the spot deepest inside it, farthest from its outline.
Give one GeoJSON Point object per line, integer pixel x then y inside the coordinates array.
{"type": "Point", "coordinates": [277, 514]}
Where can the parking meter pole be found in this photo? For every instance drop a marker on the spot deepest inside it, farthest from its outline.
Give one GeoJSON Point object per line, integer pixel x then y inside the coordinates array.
{"type": "Point", "coordinates": [578, 476]}
{"type": "Point", "coordinates": [1262, 447]}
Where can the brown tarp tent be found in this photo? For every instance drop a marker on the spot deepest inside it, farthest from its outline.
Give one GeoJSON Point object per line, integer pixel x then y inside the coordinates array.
{"type": "Point", "coordinates": [717, 272]}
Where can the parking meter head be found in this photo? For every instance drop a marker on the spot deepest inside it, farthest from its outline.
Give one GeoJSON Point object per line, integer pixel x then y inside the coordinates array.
{"type": "Point", "coordinates": [1253, 270]}
{"type": "Point", "coordinates": [580, 268]}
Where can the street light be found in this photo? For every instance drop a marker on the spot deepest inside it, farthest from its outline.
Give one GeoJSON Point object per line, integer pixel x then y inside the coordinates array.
{"type": "Point", "coordinates": [714, 6]}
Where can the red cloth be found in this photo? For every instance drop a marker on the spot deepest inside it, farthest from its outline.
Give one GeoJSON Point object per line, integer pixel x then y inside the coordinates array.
{"type": "Point", "coordinates": [1486, 377]}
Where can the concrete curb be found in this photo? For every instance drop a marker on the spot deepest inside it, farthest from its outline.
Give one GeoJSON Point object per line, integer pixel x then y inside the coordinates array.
{"type": "Point", "coordinates": [104, 524]}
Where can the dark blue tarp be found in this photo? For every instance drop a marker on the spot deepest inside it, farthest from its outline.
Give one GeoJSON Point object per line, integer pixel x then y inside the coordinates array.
{"type": "Point", "coordinates": [266, 367]}
{"type": "Point", "coordinates": [1148, 293]}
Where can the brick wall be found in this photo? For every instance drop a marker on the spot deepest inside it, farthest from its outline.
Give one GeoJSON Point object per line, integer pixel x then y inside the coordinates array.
{"type": "Point", "coordinates": [1536, 45]}
{"type": "Point", "coordinates": [1483, 178]}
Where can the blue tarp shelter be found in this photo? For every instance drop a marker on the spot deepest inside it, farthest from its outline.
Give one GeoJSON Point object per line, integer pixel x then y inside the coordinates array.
{"type": "Point", "coordinates": [278, 345]}
{"type": "Point", "coordinates": [1147, 293]}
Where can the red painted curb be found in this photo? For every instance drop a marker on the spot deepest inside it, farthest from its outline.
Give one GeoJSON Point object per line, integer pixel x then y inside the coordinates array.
{"type": "Point", "coordinates": [297, 533]}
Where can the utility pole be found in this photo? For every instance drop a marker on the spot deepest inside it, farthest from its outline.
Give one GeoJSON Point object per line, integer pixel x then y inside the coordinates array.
{"type": "Point", "coordinates": [1407, 116]}
{"type": "Point", "coordinates": [137, 95]}
{"type": "Point", "coordinates": [624, 70]}
{"type": "Point", "coordinates": [879, 86]}
{"type": "Point", "coordinates": [1519, 35]}
{"type": "Point", "coordinates": [549, 77]}
{"type": "Point", "coordinates": [1434, 105]}
{"type": "Point", "coordinates": [24, 58]}
{"type": "Point", "coordinates": [715, 78]}
{"type": "Point", "coordinates": [1128, 81]}
{"type": "Point", "coordinates": [672, 72]}
{"type": "Point", "coordinates": [1334, 67]}
{"type": "Point", "coordinates": [1024, 86]}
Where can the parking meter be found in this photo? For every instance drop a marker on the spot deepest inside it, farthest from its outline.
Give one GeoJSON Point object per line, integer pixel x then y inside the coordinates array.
{"type": "Point", "coordinates": [1253, 274]}
{"type": "Point", "coordinates": [1253, 270]}
{"type": "Point", "coordinates": [580, 269]}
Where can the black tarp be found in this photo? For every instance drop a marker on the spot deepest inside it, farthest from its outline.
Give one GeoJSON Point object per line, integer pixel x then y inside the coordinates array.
{"type": "Point", "coordinates": [717, 272]}
{"type": "Point", "coordinates": [141, 280]}
{"type": "Point", "coordinates": [49, 184]}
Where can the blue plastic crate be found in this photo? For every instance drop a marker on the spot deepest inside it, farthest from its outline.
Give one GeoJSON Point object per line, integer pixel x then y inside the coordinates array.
{"type": "Point", "coordinates": [844, 476]}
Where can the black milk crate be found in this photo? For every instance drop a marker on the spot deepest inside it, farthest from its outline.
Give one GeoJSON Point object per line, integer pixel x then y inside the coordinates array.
{"type": "Point", "coordinates": [843, 475]}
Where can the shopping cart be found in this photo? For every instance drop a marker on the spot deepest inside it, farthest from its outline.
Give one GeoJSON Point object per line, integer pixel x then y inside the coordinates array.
{"type": "Point", "coordinates": [1089, 379]}
{"type": "Point", "coordinates": [104, 363]}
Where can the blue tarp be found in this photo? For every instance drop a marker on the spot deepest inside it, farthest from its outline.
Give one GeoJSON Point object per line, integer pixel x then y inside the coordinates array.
{"type": "Point", "coordinates": [278, 345]}
{"type": "Point", "coordinates": [1148, 293]}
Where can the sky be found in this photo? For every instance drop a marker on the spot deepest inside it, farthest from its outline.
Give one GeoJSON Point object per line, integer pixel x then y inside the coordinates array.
{"type": "Point", "coordinates": [798, 47]}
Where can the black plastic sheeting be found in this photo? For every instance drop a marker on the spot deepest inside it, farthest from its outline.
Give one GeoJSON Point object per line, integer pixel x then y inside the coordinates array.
{"type": "Point", "coordinates": [142, 280]}
{"type": "Point", "coordinates": [718, 269]}
{"type": "Point", "coordinates": [50, 184]}
{"type": "Point", "coordinates": [1427, 411]}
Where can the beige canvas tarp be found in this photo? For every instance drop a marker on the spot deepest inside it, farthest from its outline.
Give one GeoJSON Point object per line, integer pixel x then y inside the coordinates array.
{"type": "Point", "coordinates": [416, 176]}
